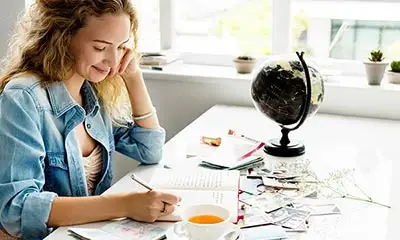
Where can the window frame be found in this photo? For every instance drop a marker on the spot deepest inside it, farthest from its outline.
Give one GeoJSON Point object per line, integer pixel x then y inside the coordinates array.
{"type": "Point", "coordinates": [281, 40]}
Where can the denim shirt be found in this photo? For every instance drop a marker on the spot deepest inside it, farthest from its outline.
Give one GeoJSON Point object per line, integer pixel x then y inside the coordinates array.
{"type": "Point", "coordinates": [40, 157]}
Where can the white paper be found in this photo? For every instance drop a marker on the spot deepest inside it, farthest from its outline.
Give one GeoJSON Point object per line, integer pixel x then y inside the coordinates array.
{"type": "Point", "coordinates": [231, 150]}
{"type": "Point", "coordinates": [268, 232]}
{"type": "Point", "coordinates": [96, 234]}
{"type": "Point", "coordinates": [199, 179]}
{"type": "Point", "coordinates": [128, 229]}
{"type": "Point", "coordinates": [125, 229]}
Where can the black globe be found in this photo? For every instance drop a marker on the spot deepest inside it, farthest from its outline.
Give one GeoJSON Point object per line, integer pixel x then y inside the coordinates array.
{"type": "Point", "coordinates": [280, 91]}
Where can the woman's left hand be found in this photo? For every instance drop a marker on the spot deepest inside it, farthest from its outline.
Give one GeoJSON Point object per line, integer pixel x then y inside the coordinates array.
{"type": "Point", "coordinates": [128, 62]}
{"type": "Point", "coordinates": [128, 65]}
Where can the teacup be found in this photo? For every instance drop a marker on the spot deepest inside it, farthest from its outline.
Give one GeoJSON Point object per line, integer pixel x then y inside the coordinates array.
{"type": "Point", "coordinates": [206, 222]}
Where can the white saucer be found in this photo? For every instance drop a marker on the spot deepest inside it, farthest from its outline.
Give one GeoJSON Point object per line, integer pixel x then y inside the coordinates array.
{"type": "Point", "coordinates": [171, 235]}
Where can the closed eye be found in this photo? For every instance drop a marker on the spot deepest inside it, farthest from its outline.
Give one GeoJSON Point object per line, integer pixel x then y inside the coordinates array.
{"type": "Point", "coordinates": [99, 49]}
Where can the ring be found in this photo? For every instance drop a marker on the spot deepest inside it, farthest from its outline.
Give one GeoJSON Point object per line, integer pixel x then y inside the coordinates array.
{"type": "Point", "coordinates": [164, 209]}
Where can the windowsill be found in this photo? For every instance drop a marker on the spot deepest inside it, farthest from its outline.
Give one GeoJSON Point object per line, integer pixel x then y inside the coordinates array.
{"type": "Point", "coordinates": [191, 72]}
{"type": "Point", "coordinates": [211, 74]}
{"type": "Point", "coordinates": [345, 95]}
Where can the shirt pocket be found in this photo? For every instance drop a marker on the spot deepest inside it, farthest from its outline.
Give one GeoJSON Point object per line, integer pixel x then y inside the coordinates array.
{"type": "Point", "coordinates": [57, 160]}
{"type": "Point", "coordinates": [56, 172]}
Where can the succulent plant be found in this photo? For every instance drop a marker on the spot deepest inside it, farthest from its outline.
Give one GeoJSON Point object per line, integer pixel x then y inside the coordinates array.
{"type": "Point", "coordinates": [246, 58]}
{"type": "Point", "coordinates": [376, 56]}
{"type": "Point", "coordinates": [395, 66]}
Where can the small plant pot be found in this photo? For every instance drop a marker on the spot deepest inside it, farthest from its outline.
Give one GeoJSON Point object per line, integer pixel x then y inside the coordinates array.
{"type": "Point", "coordinates": [244, 66]}
{"type": "Point", "coordinates": [393, 77]}
{"type": "Point", "coordinates": [375, 72]}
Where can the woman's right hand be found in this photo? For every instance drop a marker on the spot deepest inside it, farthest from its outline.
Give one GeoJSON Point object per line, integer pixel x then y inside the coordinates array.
{"type": "Point", "coordinates": [149, 206]}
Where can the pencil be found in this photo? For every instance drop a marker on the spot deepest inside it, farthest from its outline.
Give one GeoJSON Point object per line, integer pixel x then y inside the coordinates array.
{"type": "Point", "coordinates": [248, 204]}
{"type": "Point", "coordinates": [141, 182]}
{"type": "Point", "coordinates": [137, 179]}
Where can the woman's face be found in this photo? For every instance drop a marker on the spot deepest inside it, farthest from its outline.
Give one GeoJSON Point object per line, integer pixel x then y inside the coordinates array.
{"type": "Point", "coordinates": [100, 45]}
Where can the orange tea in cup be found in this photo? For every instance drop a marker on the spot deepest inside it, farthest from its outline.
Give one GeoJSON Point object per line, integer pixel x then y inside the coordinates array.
{"type": "Point", "coordinates": [205, 219]}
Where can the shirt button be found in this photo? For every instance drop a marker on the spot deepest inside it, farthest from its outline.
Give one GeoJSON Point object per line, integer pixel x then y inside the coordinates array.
{"type": "Point", "coordinates": [88, 125]}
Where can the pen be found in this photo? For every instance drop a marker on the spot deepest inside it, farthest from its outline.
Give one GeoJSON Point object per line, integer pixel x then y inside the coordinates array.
{"type": "Point", "coordinates": [243, 191]}
{"type": "Point", "coordinates": [157, 68]}
{"type": "Point", "coordinates": [151, 68]}
{"type": "Point", "coordinates": [141, 182]}
{"type": "Point", "coordinates": [248, 204]}
{"type": "Point", "coordinates": [167, 166]}
{"type": "Point", "coordinates": [162, 237]}
{"type": "Point", "coordinates": [233, 133]}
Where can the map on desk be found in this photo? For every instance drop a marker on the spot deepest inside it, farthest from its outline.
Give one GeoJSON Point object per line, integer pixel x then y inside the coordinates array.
{"type": "Point", "coordinates": [126, 229]}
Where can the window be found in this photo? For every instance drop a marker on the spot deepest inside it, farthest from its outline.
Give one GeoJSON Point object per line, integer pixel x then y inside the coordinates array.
{"type": "Point", "coordinates": [346, 30]}
{"type": "Point", "coordinates": [149, 24]}
{"type": "Point", "coordinates": [224, 27]}
{"type": "Point", "coordinates": [339, 33]}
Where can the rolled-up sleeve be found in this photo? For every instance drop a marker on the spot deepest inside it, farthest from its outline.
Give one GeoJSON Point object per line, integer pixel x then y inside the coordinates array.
{"type": "Point", "coordinates": [24, 207]}
{"type": "Point", "coordinates": [144, 145]}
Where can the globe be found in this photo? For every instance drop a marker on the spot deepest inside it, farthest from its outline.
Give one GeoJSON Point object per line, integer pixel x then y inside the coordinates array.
{"type": "Point", "coordinates": [287, 90]}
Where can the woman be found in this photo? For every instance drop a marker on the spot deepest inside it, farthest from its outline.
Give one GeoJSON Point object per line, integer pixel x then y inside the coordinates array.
{"type": "Point", "coordinates": [69, 77]}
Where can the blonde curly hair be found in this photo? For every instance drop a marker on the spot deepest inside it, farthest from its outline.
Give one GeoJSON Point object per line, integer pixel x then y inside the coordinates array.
{"type": "Point", "coordinates": [42, 38]}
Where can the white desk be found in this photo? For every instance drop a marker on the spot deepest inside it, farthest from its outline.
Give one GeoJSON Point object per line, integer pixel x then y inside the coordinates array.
{"type": "Point", "coordinates": [370, 146]}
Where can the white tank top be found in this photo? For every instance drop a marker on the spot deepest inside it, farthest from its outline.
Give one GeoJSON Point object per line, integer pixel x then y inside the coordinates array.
{"type": "Point", "coordinates": [93, 165]}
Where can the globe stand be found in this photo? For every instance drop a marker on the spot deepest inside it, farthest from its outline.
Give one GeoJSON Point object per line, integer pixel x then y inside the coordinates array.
{"type": "Point", "coordinates": [284, 147]}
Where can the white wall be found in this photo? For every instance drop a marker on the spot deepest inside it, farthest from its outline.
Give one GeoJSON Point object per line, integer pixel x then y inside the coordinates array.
{"type": "Point", "coordinates": [179, 102]}
{"type": "Point", "coordinates": [9, 10]}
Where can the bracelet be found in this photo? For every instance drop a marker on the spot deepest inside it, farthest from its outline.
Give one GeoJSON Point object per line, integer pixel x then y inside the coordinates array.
{"type": "Point", "coordinates": [147, 115]}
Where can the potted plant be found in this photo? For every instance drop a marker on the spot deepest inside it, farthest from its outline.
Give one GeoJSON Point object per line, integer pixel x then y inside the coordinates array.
{"type": "Point", "coordinates": [394, 73]}
{"type": "Point", "coordinates": [244, 64]}
{"type": "Point", "coordinates": [375, 67]}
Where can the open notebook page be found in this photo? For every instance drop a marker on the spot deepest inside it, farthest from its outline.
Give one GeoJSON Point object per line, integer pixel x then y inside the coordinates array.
{"type": "Point", "coordinates": [196, 179]}
{"type": "Point", "coordinates": [199, 186]}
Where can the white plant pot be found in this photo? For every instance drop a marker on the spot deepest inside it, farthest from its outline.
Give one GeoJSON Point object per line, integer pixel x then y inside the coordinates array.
{"type": "Point", "coordinates": [393, 77]}
{"type": "Point", "coordinates": [375, 72]}
{"type": "Point", "coordinates": [244, 66]}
